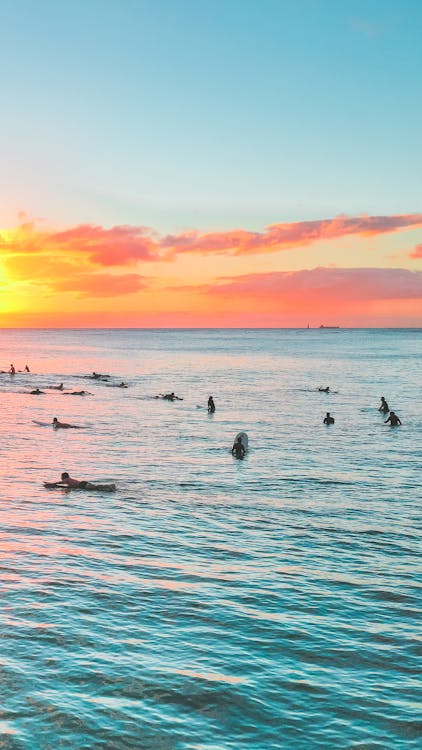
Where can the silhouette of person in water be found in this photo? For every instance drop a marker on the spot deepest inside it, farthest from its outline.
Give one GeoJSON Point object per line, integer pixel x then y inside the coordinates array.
{"type": "Point", "coordinates": [12, 370]}
{"type": "Point", "coordinates": [57, 424]}
{"type": "Point", "coordinates": [384, 406]}
{"type": "Point", "coordinates": [328, 419]}
{"type": "Point", "coordinates": [324, 390]}
{"type": "Point", "coordinates": [36, 392]}
{"type": "Point", "coordinates": [238, 450]}
{"type": "Point", "coordinates": [27, 368]}
{"type": "Point", "coordinates": [83, 484]}
{"type": "Point", "coordinates": [211, 405]}
{"type": "Point", "coordinates": [393, 419]}
{"type": "Point", "coordinates": [170, 396]}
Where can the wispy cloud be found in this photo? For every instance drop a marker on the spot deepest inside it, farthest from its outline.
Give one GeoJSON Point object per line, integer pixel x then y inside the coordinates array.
{"type": "Point", "coordinates": [129, 245]}
{"type": "Point", "coordinates": [340, 284]}
{"type": "Point", "coordinates": [288, 235]}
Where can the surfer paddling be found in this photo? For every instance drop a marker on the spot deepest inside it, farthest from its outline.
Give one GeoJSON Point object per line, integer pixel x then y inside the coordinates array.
{"type": "Point", "coordinates": [79, 484]}
{"type": "Point", "coordinates": [65, 425]}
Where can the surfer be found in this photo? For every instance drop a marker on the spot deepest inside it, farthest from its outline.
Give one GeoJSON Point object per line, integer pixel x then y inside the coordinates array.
{"type": "Point", "coordinates": [78, 393]}
{"type": "Point", "coordinates": [12, 370]}
{"type": "Point", "coordinates": [238, 450]}
{"type": "Point", "coordinates": [56, 387]}
{"type": "Point", "coordinates": [82, 484]}
{"type": "Point", "coordinates": [384, 406]}
{"type": "Point", "coordinates": [211, 405]}
{"type": "Point", "coordinates": [57, 424]}
{"type": "Point", "coordinates": [98, 376]}
{"type": "Point", "coordinates": [393, 419]}
{"type": "Point", "coordinates": [328, 419]}
{"type": "Point", "coordinates": [36, 392]}
{"type": "Point", "coordinates": [170, 396]}
{"type": "Point", "coordinates": [324, 390]}
{"type": "Point", "coordinates": [27, 368]}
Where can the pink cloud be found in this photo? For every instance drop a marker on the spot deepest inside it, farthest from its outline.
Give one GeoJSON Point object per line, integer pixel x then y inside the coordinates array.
{"type": "Point", "coordinates": [331, 283]}
{"type": "Point", "coordinates": [417, 252]}
{"type": "Point", "coordinates": [128, 245]}
{"type": "Point", "coordinates": [287, 235]}
{"type": "Point", "coordinates": [108, 247]}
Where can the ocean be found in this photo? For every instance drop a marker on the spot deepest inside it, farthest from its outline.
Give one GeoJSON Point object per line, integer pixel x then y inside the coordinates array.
{"type": "Point", "coordinates": [211, 603]}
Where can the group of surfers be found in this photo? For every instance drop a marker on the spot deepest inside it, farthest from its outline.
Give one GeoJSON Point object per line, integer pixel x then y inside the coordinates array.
{"type": "Point", "coordinates": [238, 449]}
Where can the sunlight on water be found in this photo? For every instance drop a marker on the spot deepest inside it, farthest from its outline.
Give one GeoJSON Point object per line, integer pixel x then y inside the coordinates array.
{"type": "Point", "coordinates": [210, 603]}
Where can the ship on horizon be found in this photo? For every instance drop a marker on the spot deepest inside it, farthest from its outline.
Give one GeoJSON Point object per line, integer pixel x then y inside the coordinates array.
{"type": "Point", "coordinates": [322, 326]}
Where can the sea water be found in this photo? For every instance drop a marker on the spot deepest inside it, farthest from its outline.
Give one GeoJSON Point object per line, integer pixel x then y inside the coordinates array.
{"type": "Point", "coordinates": [211, 603]}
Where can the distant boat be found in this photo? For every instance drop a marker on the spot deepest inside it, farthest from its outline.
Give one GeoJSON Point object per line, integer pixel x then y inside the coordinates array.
{"type": "Point", "coordinates": [329, 326]}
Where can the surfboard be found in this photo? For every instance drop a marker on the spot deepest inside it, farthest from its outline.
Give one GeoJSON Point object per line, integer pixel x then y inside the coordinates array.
{"type": "Point", "coordinates": [97, 487]}
{"type": "Point", "coordinates": [243, 439]}
{"type": "Point", "coordinates": [50, 424]}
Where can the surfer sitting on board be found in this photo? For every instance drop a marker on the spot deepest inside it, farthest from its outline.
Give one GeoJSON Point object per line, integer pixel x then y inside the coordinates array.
{"type": "Point", "coordinates": [36, 392]}
{"type": "Point", "coordinates": [324, 390]}
{"type": "Point", "coordinates": [57, 424]}
{"type": "Point", "coordinates": [211, 405]}
{"type": "Point", "coordinates": [329, 419]}
{"type": "Point", "coordinates": [238, 450]}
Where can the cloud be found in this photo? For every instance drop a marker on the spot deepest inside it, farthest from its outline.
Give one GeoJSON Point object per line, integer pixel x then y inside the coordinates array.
{"type": "Point", "coordinates": [118, 246]}
{"type": "Point", "coordinates": [341, 284]}
{"type": "Point", "coordinates": [417, 252]}
{"type": "Point", "coordinates": [100, 284]}
{"type": "Point", "coordinates": [129, 245]}
{"type": "Point", "coordinates": [287, 235]}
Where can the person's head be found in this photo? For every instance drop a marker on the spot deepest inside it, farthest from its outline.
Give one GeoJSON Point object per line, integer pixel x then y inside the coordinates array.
{"type": "Point", "coordinates": [382, 398]}
{"type": "Point", "coordinates": [392, 414]}
{"type": "Point", "coordinates": [328, 413]}
{"type": "Point", "coordinates": [55, 420]}
{"type": "Point", "coordinates": [65, 475]}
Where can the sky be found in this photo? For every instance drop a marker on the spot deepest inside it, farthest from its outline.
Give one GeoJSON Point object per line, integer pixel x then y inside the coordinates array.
{"type": "Point", "coordinates": [185, 163]}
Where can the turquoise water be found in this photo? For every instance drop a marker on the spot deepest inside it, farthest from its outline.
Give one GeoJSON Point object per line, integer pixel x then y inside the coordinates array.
{"type": "Point", "coordinates": [209, 603]}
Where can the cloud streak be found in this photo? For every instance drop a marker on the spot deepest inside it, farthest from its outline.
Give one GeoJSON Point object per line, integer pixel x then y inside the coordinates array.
{"type": "Point", "coordinates": [130, 245]}
{"type": "Point", "coordinates": [340, 284]}
{"type": "Point", "coordinates": [288, 235]}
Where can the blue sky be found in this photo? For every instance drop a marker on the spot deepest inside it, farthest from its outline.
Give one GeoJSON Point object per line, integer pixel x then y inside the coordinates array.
{"type": "Point", "coordinates": [209, 114]}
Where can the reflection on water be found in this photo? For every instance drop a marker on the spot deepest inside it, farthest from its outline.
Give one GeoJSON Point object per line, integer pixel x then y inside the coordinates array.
{"type": "Point", "coordinates": [210, 603]}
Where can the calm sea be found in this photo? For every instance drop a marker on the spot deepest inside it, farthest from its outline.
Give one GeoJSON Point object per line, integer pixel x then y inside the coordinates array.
{"type": "Point", "coordinates": [210, 603]}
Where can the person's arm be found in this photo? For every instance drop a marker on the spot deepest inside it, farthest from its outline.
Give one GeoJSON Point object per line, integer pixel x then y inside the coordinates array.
{"type": "Point", "coordinates": [398, 420]}
{"type": "Point", "coordinates": [387, 420]}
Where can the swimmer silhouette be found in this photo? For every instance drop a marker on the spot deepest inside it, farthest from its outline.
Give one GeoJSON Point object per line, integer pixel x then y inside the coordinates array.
{"type": "Point", "coordinates": [384, 406]}
{"type": "Point", "coordinates": [393, 419]}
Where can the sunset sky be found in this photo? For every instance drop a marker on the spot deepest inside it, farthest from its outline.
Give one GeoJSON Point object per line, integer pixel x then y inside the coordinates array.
{"type": "Point", "coordinates": [210, 163]}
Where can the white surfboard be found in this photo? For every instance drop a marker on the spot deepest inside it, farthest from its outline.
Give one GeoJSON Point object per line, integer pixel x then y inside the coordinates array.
{"type": "Point", "coordinates": [243, 439]}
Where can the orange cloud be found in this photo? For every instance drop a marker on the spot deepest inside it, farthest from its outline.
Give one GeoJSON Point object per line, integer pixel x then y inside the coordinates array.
{"type": "Point", "coordinates": [128, 245]}
{"type": "Point", "coordinates": [100, 284]}
{"type": "Point", "coordinates": [121, 245]}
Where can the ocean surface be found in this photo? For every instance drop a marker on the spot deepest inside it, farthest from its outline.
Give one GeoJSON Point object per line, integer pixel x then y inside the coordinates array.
{"type": "Point", "coordinates": [211, 603]}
